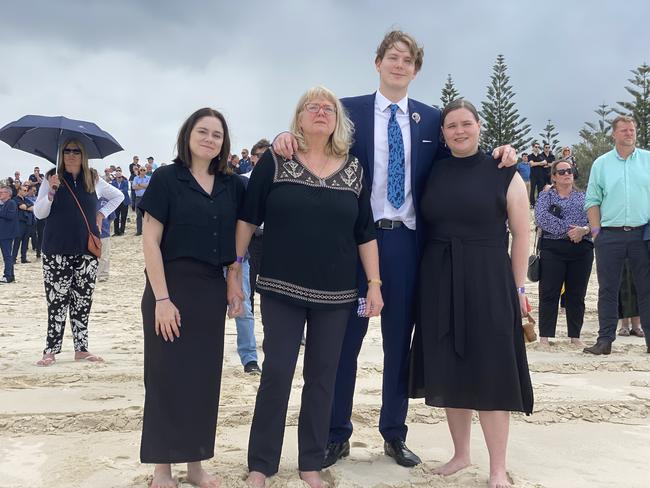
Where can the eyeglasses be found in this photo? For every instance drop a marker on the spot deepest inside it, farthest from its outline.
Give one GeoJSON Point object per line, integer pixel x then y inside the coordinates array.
{"type": "Point", "coordinates": [562, 172]}
{"type": "Point", "coordinates": [314, 108]}
{"type": "Point", "coordinates": [72, 151]}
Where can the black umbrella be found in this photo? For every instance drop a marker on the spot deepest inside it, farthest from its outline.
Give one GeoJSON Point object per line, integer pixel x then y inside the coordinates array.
{"type": "Point", "coordinates": [42, 136]}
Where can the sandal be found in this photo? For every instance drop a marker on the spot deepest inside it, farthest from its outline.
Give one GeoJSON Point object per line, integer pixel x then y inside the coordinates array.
{"type": "Point", "coordinates": [46, 360]}
{"type": "Point", "coordinates": [637, 331]}
{"type": "Point", "coordinates": [624, 331]}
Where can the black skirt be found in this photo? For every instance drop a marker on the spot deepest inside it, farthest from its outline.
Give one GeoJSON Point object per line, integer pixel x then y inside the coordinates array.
{"type": "Point", "coordinates": [183, 378]}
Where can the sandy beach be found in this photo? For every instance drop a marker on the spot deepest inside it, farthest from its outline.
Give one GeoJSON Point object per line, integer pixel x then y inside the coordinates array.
{"type": "Point", "coordinates": [78, 425]}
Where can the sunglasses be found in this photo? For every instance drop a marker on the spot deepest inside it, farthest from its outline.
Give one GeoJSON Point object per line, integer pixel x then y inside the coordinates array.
{"type": "Point", "coordinates": [562, 172]}
{"type": "Point", "coordinates": [72, 151]}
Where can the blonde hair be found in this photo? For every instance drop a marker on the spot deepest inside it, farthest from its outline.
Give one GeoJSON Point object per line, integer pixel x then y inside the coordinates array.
{"type": "Point", "coordinates": [87, 177]}
{"type": "Point", "coordinates": [341, 139]}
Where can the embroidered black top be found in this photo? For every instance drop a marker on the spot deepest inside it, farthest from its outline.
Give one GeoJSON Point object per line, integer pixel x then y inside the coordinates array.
{"type": "Point", "coordinates": [312, 228]}
{"type": "Point", "coordinates": [196, 225]}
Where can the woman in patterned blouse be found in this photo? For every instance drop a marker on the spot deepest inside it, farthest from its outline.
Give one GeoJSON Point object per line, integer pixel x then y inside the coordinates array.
{"type": "Point", "coordinates": [566, 253]}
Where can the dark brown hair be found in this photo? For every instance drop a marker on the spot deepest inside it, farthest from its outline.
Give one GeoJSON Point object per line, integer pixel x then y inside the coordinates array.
{"type": "Point", "coordinates": [395, 36]}
{"type": "Point", "coordinates": [456, 105]}
{"type": "Point", "coordinates": [184, 157]}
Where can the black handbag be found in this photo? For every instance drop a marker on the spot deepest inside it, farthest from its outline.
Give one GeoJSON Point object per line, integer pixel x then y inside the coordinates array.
{"type": "Point", "coordinates": [533, 259]}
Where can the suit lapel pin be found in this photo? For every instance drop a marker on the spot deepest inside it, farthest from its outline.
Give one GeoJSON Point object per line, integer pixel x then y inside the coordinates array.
{"type": "Point", "coordinates": [416, 117]}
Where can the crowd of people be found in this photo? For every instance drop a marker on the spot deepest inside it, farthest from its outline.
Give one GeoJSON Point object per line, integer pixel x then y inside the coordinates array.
{"type": "Point", "coordinates": [348, 215]}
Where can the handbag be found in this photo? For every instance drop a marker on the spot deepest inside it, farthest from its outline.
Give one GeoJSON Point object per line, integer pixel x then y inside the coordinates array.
{"type": "Point", "coordinates": [94, 242]}
{"type": "Point", "coordinates": [533, 259]}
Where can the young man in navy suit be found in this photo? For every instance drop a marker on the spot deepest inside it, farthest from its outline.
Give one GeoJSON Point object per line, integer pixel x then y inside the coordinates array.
{"type": "Point", "coordinates": [396, 140]}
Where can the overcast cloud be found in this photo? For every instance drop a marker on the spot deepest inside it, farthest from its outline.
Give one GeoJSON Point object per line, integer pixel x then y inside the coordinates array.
{"type": "Point", "coordinates": [139, 68]}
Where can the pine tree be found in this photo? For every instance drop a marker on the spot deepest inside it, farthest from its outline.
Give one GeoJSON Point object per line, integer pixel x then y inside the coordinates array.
{"type": "Point", "coordinates": [640, 107]}
{"type": "Point", "coordinates": [449, 92]}
{"type": "Point", "coordinates": [549, 136]}
{"type": "Point", "coordinates": [501, 121]}
{"type": "Point", "coordinates": [596, 141]}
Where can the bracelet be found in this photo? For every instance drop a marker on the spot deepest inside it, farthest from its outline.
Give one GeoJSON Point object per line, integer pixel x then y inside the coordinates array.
{"type": "Point", "coordinates": [240, 259]}
{"type": "Point", "coordinates": [521, 290]}
{"type": "Point", "coordinates": [161, 299]}
{"type": "Point", "coordinates": [595, 231]}
{"type": "Point", "coordinates": [377, 282]}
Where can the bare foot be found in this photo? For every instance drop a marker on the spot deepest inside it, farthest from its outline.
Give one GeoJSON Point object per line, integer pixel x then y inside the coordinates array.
{"type": "Point", "coordinates": [200, 477]}
{"type": "Point", "coordinates": [577, 342]}
{"type": "Point", "coordinates": [312, 478]}
{"type": "Point", "coordinates": [162, 477]}
{"type": "Point", "coordinates": [454, 465]}
{"type": "Point", "coordinates": [47, 360]}
{"type": "Point", "coordinates": [256, 480]}
{"type": "Point", "coordinates": [500, 480]}
{"type": "Point", "coordinates": [87, 356]}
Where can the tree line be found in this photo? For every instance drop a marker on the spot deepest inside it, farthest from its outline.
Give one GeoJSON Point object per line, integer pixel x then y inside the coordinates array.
{"type": "Point", "coordinates": [502, 123]}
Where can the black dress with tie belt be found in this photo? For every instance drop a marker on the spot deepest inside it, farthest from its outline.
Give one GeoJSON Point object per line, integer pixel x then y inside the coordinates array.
{"type": "Point", "coordinates": [468, 349]}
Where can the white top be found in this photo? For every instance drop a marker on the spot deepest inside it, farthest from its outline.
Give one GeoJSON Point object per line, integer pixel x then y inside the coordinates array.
{"type": "Point", "coordinates": [381, 207]}
{"type": "Point", "coordinates": [102, 189]}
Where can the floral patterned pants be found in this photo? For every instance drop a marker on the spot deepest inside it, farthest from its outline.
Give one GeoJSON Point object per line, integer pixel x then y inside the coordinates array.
{"type": "Point", "coordinates": [69, 283]}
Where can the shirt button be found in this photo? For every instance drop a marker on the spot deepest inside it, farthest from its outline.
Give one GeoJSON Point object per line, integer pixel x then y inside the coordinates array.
{"type": "Point", "coordinates": [214, 250]}
{"type": "Point", "coordinates": [214, 233]}
{"type": "Point", "coordinates": [214, 217]}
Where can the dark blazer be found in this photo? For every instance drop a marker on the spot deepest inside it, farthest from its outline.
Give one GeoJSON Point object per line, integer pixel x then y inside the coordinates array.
{"type": "Point", "coordinates": [425, 143]}
{"type": "Point", "coordinates": [8, 220]}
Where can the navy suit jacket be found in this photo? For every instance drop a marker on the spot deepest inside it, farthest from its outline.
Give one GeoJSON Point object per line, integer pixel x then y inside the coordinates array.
{"type": "Point", "coordinates": [425, 144]}
{"type": "Point", "coordinates": [8, 220]}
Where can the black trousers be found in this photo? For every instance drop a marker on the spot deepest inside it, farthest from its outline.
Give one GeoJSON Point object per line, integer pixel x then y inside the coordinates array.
{"type": "Point", "coordinates": [562, 261]}
{"type": "Point", "coordinates": [536, 186]}
{"type": "Point", "coordinates": [255, 261]}
{"type": "Point", "coordinates": [283, 326]}
{"type": "Point", "coordinates": [120, 219]}
{"type": "Point", "coordinates": [40, 227]}
{"type": "Point", "coordinates": [21, 241]}
{"type": "Point", "coordinates": [612, 248]}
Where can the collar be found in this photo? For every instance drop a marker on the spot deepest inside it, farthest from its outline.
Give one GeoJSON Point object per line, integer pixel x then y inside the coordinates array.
{"type": "Point", "coordinates": [631, 156]}
{"type": "Point", "coordinates": [383, 103]}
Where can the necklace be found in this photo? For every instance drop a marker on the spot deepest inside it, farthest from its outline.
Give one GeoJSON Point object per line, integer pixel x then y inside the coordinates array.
{"type": "Point", "coordinates": [320, 173]}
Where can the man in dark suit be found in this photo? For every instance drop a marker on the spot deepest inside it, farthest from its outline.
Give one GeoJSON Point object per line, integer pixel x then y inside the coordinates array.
{"type": "Point", "coordinates": [396, 140]}
{"type": "Point", "coordinates": [8, 231]}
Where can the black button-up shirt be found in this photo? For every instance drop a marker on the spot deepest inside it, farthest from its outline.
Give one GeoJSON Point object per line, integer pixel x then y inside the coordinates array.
{"type": "Point", "coordinates": [196, 224]}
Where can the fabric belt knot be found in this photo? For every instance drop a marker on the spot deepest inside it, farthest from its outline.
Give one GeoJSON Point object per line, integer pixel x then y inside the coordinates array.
{"type": "Point", "coordinates": [455, 295]}
{"type": "Point", "coordinates": [395, 185]}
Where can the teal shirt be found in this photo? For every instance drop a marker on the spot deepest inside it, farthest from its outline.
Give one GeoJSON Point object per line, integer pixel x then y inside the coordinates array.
{"type": "Point", "coordinates": [621, 187]}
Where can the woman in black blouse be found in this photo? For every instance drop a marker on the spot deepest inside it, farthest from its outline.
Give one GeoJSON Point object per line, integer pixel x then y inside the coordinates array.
{"type": "Point", "coordinates": [190, 209]}
{"type": "Point", "coordinates": [317, 223]}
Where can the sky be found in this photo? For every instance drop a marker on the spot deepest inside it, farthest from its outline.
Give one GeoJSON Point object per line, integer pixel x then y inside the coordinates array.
{"type": "Point", "coordinates": [139, 68]}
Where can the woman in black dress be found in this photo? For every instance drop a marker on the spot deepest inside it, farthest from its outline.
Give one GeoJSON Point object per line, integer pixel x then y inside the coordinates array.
{"type": "Point", "coordinates": [190, 210]}
{"type": "Point", "coordinates": [468, 352]}
{"type": "Point", "coordinates": [317, 224]}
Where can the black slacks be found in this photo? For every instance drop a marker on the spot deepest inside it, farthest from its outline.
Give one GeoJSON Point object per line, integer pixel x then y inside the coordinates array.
{"type": "Point", "coordinates": [283, 326]}
{"type": "Point", "coordinates": [120, 219]}
{"type": "Point", "coordinates": [562, 261]}
{"type": "Point", "coordinates": [612, 247]}
{"type": "Point", "coordinates": [537, 183]}
{"type": "Point", "coordinates": [255, 261]}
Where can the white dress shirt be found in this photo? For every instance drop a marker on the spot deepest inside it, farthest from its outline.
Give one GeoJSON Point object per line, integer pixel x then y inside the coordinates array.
{"type": "Point", "coordinates": [114, 196]}
{"type": "Point", "coordinates": [381, 207]}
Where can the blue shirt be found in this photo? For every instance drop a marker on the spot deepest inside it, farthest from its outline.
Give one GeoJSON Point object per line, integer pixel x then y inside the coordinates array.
{"type": "Point", "coordinates": [124, 188]}
{"type": "Point", "coordinates": [139, 180]}
{"type": "Point", "coordinates": [621, 187]}
{"type": "Point", "coordinates": [571, 213]}
{"type": "Point", "coordinates": [524, 170]}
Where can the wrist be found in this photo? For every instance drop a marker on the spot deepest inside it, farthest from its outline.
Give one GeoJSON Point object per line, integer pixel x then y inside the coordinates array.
{"type": "Point", "coordinates": [595, 231]}
{"type": "Point", "coordinates": [374, 281]}
{"type": "Point", "coordinates": [162, 299]}
{"type": "Point", "coordinates": [521, 290]}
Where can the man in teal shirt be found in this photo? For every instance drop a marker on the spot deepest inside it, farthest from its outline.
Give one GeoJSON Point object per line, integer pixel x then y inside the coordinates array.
{"type": "Point", "coordinates": [618, 207]}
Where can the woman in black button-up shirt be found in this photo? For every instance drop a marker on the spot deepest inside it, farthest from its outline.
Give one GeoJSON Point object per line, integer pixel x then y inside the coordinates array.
{"type": "Point", "coordinates": [190, 209]}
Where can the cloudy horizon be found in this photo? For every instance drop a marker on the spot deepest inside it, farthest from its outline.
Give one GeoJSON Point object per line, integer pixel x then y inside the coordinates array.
{"type": "Point", "coordinates": [139, 68]}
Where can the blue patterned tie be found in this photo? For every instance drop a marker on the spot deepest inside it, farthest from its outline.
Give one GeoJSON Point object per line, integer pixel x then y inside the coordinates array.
{"type": "Point", "coordinates": [395, 161]}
